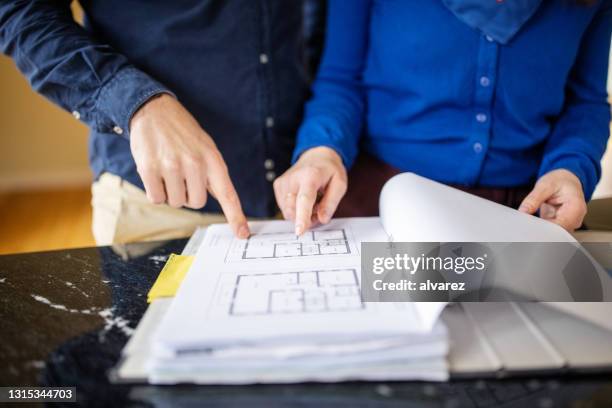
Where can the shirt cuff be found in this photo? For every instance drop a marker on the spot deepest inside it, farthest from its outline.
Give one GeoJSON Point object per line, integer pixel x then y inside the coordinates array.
{"type": "Point", "coordinates": [313, 136]}
{"type": "Point", "coordinates": [586, 173]}
{"type": "Point", "coordinates": [121, 97]}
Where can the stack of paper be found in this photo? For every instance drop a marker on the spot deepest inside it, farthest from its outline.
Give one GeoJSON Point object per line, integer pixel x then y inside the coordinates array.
{"type": "Point", "coordinates": [276, 308]}
{"type": "Point", "coordinates": [280, 308]}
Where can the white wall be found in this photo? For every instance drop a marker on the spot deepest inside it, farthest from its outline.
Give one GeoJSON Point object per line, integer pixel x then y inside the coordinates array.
{"type": "Point", "coordinates": [41, 146]}
{"type": "Point", "coordinates": [604, 188]}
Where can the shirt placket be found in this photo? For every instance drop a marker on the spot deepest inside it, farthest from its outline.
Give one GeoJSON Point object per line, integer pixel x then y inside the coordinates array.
{"type": "Point", "coordinates": [267, 117]}
{"type": "Point", "coordinates": [485, 83]}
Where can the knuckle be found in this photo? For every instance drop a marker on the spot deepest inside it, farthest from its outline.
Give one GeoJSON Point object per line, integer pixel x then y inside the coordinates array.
{"type": "Point", "coordinates": [156, 197]}
{"type": "Point", "coordinates": [530, 202]}
{"type": "Point", "coordinates": [545, 186]}
{"type": "Point", "coordinates": [290, 200]}
{"type": "Point", "coordinates": [146, 167]}
{"type": "Point", "coordinates": [170, 164]}
{"type": "Point", "coordinates": [197, 203]}
{"type": "Point", "coordinates": [306, 197]}
{"type": "Point", "coordinates": [193, 160]}
{"type": "Point", "coordinates": [176, 203]}
{"type": "Point", "coordinates": [312, 173]}
{"type": "Point", "coordinates": [310, 185]}
{"type": "Point", "coordinates": [214, 155]}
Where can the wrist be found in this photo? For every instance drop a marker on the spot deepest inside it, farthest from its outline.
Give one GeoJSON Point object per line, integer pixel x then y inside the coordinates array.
{"type": "Point", "coordinates": [321, 153]}
{"type": "Point", "coordinates": [149, 105]}
{"type": "Point", "coordinates": [566, 175]}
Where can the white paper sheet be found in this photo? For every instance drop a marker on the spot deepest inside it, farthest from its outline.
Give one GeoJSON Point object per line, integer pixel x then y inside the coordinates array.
{"type": "Point", "coordinates": [415, 209]}
{"type": "Point", "coordinates": [277, 287]}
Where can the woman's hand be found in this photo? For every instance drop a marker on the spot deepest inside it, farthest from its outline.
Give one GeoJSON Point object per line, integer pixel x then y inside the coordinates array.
{"type": "Point", "coordinates": [312, 188]}
{"type": "Point", "coordinates": [559, 197]}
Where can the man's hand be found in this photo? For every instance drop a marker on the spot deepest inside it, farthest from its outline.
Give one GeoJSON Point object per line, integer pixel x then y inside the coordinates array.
{"type": "Point", "coordinates": [178, 161]}
{"type": "Point", "coordinates": [311, 190]}
{"type": "Point", "coordinates": [559, 197]}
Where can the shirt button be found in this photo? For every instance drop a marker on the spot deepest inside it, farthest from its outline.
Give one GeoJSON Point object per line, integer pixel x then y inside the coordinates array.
{"type": "Point", "coordinates": [269, 122]}
{"type": "Point", "coordinates": [76, 115]}
{"type": "Point", "coordinates": [270, 175]}
{"type": "Point", "coordinates": [118, 130]}
{"type": "Point", "coordinates": [477, 147]}
{"type": "Point", "coordinates": [481, 118]}
{"type": "Point", "coordinates": [269, 164]}
{"type": "Point", "coordinates": [263, 58]}
{"type": "Point", "coordinates": [485, 81]}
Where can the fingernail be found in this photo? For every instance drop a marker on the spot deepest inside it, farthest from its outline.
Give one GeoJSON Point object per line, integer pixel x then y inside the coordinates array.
{"type": "Point", "coordinates": [299, 229]}
{"type": "Point", "coordinates": [548, 212]}
{"type": "Point", "coordinates": [523, 208]}
{"type": "Point", "coordinates": [243, 232]}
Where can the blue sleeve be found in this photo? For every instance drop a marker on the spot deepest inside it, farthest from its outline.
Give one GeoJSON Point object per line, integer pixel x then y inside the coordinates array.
{"type": "Point", "coordinates": [580, 134]}
{"type": "Point", "coordinates": [334, 116]}
{"type": "Point", "coordinates": [63, 63]}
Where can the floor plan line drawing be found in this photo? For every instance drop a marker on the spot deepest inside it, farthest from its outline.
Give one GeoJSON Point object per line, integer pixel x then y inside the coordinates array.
{"type": "Point", "coordinates": [296, 292]}
{"type": "Point", "coordinates": [288, 245]}
{"type": "Point", "coordinates": [311, 243]}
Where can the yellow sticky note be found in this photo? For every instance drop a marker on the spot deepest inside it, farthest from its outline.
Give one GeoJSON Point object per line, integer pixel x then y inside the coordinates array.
{"type": "Point", "coordinates": [170, 277]}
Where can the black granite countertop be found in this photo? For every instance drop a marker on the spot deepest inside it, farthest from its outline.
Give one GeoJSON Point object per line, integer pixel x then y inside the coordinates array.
{"type": "Point", "coordinates": [66, 315]}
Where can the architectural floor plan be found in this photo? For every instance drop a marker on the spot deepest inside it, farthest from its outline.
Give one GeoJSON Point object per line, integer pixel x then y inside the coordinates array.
{"type": "Point", "coordinates": [287, 245]}
{"type": "Point", "coordinates": [296, 292]}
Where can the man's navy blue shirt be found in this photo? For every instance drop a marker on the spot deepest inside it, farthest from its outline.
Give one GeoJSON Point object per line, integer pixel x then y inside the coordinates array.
{"type": "Point", "coordinates": [469, 92]}
{"type": "Point", "coordinates": [235, 65]}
